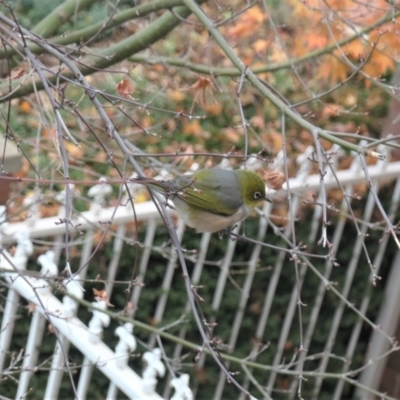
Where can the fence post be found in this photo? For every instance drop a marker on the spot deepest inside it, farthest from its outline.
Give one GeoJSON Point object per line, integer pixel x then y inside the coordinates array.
{"type": "Point", "coordinates": [36, 330]}
{"type": "Point", "coordinates": [15, 263]}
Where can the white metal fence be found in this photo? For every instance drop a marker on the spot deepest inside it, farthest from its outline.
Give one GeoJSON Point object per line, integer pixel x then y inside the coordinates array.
{"type": "Point", "coordinates": [262, 290]}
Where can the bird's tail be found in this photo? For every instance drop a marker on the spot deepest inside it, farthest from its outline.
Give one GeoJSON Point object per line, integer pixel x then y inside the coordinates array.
{"type": "Point", "coordinates": [150, 183]}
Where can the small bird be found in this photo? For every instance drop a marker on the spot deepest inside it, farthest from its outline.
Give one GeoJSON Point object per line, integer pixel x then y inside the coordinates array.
{"type": "Point", "coordinates": [211, 200]}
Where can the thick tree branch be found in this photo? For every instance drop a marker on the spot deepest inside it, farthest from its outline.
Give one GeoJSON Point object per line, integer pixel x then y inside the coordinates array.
{"type": "Point", "coordinates": [50, 24]}
{"type": "Point", "coordinates": [106, 57]}
{"type": "Point", "coordinates": [86, 33]}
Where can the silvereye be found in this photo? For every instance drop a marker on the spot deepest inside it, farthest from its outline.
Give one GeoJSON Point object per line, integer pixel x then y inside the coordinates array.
{"type": "Point", "coordinates": [213, 199]}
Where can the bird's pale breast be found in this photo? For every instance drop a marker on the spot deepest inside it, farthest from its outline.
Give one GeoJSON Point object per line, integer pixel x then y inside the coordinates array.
{"type": "Point", "coordinates": [204, 221]}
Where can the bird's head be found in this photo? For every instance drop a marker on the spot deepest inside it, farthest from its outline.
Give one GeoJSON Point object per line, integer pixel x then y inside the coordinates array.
{"type": "Point", "coordinates": [252, 187]}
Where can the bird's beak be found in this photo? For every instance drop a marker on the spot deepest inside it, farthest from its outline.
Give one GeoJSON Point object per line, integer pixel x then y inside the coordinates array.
{"type": "Point", "coordinates": [267, 199]}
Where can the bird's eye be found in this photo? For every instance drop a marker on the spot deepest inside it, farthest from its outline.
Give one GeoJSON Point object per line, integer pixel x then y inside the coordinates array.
{"type": "Point", "coordinates": [257, 195]}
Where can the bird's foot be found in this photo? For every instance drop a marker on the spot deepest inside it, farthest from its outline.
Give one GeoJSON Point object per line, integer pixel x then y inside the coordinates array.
{"type": "Point", "coordinates": [228, 232]}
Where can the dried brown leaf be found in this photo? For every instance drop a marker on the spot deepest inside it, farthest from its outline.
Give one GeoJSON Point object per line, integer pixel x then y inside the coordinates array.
{"type": "Point", "coordinates": [101, 295]}
{"type": "Point", "coordinates": [199, 88]}
{"type": "Point", "coordinates": [18, 71]}
{"type": "Point", "coordinates": [125, 88]}
{"type": "Point", "coordinates": [273, 179]}
{"type": "Point", "coordinates": [31, 307]}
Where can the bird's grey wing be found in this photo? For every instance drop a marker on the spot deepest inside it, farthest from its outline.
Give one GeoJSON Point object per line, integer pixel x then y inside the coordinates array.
{"type": "Point", "coordinates": [212, 193]}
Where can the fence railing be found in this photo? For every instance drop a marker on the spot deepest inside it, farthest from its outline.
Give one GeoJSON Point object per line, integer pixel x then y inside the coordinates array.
{"type": "Point", "coordinates": [265, 293]}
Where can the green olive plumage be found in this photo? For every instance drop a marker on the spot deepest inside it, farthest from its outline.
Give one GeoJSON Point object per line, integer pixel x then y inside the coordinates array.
{"type": "Point", "coordinates": [213, 199]}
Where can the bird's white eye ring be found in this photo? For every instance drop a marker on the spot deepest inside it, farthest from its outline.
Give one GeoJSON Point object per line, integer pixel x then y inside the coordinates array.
{"type": "Point", "coordinates": [257, 195]}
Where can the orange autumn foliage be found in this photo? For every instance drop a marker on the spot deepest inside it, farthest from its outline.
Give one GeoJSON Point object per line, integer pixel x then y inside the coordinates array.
{"type": "Point", "coordinates": [339, 26]}
{"type": "Point", "coordinates": [247, 23]}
